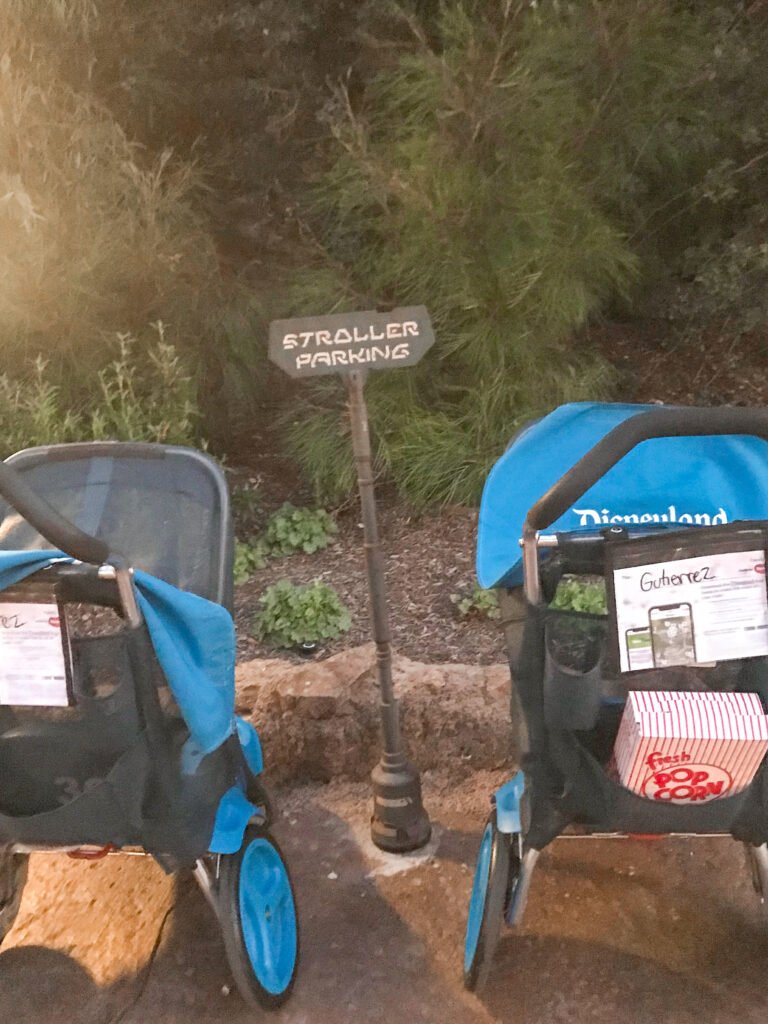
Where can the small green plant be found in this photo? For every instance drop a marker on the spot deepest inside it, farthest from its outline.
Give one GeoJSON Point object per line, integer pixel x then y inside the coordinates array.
{"type": "Point", "coordinates": [294, 529]}
{"type": "Point", "coordinates": [145, 393]}
{"type": "Point", "coordinates": [480, 603]}
{"type": "Point", "coordinates": [293, 615]}
{"type": "Point", "coordinates": [580, 594]}
{"type": "Point", "coordinates": [249, 558]}
{"type": "Point", "coordinates": [246, 505]}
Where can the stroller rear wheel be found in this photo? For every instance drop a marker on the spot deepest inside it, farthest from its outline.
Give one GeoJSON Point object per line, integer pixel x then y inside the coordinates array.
{"type": "Point", "coordinates": [258, 919]}
{"type": "Point", "coordinates": [13, 875]}
{"type": "Point", "coordinates": [757, 858]}
{"type": "Point", "coordinates": [491, 892]}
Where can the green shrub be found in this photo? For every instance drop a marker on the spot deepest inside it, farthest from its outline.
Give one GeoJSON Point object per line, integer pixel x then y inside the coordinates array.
{"type": "Point", "coordinates": [294, 615]}
{"type": "Point", "coordinates": [249, 558]}
{"type": "Point", "coordinates": [519, 169]}
{"type": "Point", "coordinates": [480, 603]}
{"type": "Point", "coordinates": [144, 394]}
{"type": "Point", "coordinates": [101, 236]}
{"type": "Point", "coordinates": [579, 594]}
{"type": "Point", "coordinates": [246, 505]}
{"type": "Point", "coordinates": [293, 529]}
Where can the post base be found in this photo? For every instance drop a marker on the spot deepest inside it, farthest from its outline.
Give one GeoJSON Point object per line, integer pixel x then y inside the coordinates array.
{"type": "Point", "coordinates": [399, 823]}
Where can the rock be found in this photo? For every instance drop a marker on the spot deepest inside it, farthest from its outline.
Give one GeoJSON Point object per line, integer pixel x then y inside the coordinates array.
{"type": "Point", "coordinates": [320, 720]}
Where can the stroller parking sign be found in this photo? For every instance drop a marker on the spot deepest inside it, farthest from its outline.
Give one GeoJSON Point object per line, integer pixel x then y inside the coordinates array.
{"type": "Point", "coordinates": [350, 344]}
{"type": "Point", "coordinates": [345, 342]}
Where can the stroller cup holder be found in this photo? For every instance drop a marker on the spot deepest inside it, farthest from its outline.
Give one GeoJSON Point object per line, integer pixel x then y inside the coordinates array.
{"type": "Point", "coordinates": [573, 650]}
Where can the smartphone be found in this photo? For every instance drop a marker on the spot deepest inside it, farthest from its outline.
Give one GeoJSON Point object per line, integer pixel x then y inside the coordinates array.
{"type": "Point", "coordinates": [672, 635]}
{"type": "Point", "coordinates": [639, 649]}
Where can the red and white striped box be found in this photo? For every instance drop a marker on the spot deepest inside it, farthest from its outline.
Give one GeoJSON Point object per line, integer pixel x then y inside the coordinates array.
{"type": "Point", "coordinates": [690, 747]}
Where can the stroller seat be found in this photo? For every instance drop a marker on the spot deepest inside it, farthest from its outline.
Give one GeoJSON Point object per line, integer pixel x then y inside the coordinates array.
{"type": "Point", "coordinates": [164, 508]}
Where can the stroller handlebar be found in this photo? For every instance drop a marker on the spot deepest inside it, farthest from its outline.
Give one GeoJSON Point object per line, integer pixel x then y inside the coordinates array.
{"type": "Point", "coordinates": [624, 437]}
{"type": "Point", "coordinates": [47, 521]}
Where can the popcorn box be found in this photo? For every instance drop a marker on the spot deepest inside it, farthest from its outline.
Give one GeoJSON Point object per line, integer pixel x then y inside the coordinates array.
{"type": "Point", "coordinates": [690, 747]}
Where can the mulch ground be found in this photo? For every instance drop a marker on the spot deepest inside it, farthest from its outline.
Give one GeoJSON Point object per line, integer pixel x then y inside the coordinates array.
{"type": "Point", "coordinates": [430, 556]}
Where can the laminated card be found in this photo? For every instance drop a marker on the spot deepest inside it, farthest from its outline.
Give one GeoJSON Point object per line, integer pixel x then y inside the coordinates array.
{"type": "Point", "coordinates": [34, 656]}
{"type": "Point", "coordinates": [698, 610]}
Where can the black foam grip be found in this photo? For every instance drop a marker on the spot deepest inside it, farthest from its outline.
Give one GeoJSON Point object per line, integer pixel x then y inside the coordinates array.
{"type": "Point", "coordinates": [623, 438]}
{"type": "Point", "coordinates": [46, 520]}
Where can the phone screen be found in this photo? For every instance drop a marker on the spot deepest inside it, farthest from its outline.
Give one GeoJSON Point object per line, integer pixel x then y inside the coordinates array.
{"type": "Point", "coordinates": [639, 649]}
{"type": "Point", "coordinates": [672, 636]}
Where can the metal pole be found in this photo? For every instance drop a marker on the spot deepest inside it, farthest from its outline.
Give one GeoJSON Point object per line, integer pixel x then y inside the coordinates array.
{"type": "Point", "coordinates": [399, 821]}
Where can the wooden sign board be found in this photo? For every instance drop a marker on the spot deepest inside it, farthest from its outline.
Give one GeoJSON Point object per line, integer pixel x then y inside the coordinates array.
{"type": "Point", "coordinates": [344, 342]}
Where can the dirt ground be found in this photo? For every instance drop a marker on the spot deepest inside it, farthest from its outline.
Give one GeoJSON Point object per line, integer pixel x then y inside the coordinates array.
{"type": "Point", "coordinates": [428, 557]}
{"type": "Point", "coordinates": [665, 932]}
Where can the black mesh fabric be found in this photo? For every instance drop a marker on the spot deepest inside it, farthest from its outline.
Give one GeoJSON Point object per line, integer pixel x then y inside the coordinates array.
{"type": "Point", "coordinates": [572, 700]}
{"type": "Point", "coordinates": [159, 507]}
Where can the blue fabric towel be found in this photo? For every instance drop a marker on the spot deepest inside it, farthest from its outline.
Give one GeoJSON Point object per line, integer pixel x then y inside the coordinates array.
{"type": "Point", "coordinates": [194, 640]}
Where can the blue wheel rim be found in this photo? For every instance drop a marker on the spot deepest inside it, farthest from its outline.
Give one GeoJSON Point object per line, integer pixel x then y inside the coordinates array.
{"type": "Point", "coordinates": [268, 916]}
{"type": "Point", "coordinates": [479, 893]}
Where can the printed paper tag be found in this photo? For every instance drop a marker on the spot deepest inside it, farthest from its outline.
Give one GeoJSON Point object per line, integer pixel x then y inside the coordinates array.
{"type": "Point", "coordinates": [33, 666]}
{"type": "Point", "coordinates": [692, 611]}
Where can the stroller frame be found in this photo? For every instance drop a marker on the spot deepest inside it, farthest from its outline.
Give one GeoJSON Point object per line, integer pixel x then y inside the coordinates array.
{"type": "Point", "coordinates": [184, 790]}
{"type": "Point", "coordinates": [528, 811]}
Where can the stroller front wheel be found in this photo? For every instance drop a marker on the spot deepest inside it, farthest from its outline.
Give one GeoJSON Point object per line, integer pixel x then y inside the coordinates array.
{"type": "Point", "coordinates": [487, 906]}
{"type": "Point", "coordinates": [258, 919]}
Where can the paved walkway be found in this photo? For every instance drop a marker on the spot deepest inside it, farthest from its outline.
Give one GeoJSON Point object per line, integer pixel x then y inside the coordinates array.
{"type": "Point", "coordinates": [666, 932]}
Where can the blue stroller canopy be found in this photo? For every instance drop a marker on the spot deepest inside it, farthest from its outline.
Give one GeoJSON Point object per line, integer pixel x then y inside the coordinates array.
{"type": "Point", "coordinates": [690, 481]}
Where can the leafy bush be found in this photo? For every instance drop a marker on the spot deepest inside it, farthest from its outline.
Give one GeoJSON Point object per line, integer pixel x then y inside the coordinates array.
{"type": "Point", "coordinates": [293, 529]}
{"type": "Point", "coordinates": [480, 603]}
{"type": "Point", "coordinates": [249, 558]}
{"type": "Point", "coordinates": [579, 594]}
{"type": "Point", "coordinates": [246, 505]}
{"type": "Point", "coordinates": [101, 237]}
{"type": "Point", "coordinates": [295, 615]}
{"type": "Point", "coordinates": [518, 169]}
{"type": "Point", "coordinates": [139, 396]}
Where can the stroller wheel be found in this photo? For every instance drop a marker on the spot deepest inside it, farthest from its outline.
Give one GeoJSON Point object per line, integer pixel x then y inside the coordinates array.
{"type": "Point", "coordinates": [258, 919]}
{"type": "Point", "coordinates": [490, 894]}
{"type": "Point", "coordinates": [259, 797]}
{"type": "Point", "coordinates": [757, 858]}
{"type": "Point", "coordinates": [13, 875]}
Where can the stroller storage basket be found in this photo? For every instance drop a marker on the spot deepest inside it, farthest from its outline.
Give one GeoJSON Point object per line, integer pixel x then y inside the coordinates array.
{"type": "Point", "coordinates": [111, 767]}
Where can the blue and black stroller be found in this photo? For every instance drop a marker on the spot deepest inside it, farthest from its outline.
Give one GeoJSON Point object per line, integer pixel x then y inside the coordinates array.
{"type": "Point", "coordinates": [585, 487]}
{"type": "Point", "coordinates": [117, 724]}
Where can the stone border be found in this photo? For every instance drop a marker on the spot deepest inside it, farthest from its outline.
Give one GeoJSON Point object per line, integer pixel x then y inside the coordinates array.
{"type": "Point", "coordinates": [320, 720]}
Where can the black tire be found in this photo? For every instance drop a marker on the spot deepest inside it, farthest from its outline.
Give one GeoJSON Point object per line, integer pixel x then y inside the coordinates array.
{"type": "Point", "coordinates": [758, 875]}
{"type": "Point", "coordinates": [13, 876]}
{"type": "Point", "coordinates": [490, 896]}
{"type": "Point", "coordinates": [259, 797]}
{"type": "Point", "coordinates": [247, 927]}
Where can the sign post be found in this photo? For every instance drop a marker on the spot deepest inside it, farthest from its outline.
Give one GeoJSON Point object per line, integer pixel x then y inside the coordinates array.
{"type": "Point", "coordinates": [352, 344]}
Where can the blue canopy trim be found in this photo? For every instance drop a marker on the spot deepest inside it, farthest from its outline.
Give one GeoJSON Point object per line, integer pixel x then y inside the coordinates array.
{"type": "Point", "coordinates": [690, 481]}
{"type": "Point", "coordinates": [194, 640]}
